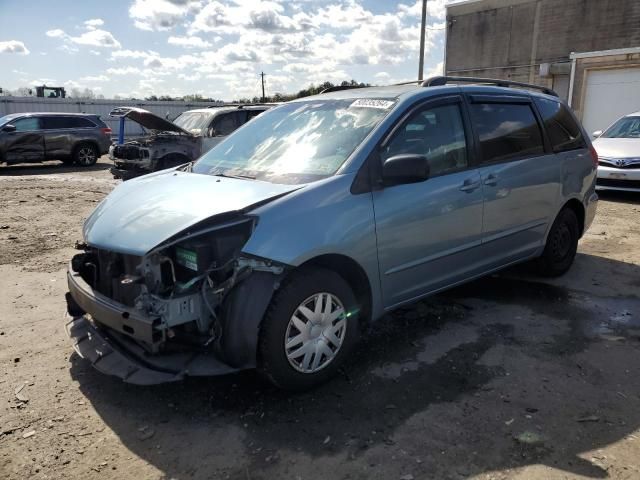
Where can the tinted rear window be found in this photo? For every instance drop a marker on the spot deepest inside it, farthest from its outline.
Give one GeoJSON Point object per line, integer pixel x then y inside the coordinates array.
{"type": "Point", "coordinates": [66, 122]}
{"type": "Point", "coordinates": [564, 132]}
{"type": "Point", "coordinates": [506, 131]}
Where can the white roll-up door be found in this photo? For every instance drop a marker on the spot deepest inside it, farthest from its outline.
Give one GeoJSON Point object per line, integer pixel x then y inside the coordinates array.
{"type": "Point", "coordinates": [610, 94]}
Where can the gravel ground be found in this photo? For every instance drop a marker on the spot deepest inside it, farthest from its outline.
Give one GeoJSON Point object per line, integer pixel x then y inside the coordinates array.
{"type": "Point", "coordinates": [509, 377]}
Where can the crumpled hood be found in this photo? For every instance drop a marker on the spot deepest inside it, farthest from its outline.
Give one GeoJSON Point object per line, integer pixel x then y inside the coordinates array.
{"type": "Point", "coordinates": [617, 147]}
{"type": "Point", "coordinates": [141, 213]}
{"type": "Point", "coordinates": [147, 119]}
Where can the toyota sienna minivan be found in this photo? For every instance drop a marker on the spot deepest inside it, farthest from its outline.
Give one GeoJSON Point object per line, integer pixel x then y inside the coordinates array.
{"type": "Point", "coordinates": [275, 248]}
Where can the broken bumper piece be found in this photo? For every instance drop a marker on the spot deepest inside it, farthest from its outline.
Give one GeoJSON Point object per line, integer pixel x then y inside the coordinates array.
{"type": "Point", "coordinates": [114, 354]}
{"type": "Point", "coordinates": [126, 174]}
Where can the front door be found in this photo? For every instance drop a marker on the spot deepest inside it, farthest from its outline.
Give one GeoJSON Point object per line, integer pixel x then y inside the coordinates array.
{"type": "Point", "coordinates": [26, 144]}
{"type": "Point", "coordinates": [521, 179]}
{"type": "Point", "coordinates": [429, 232]}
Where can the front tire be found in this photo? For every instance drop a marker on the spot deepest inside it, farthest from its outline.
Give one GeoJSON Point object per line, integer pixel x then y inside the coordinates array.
{"type": "Point", "coordinates": [309, 329]}
{"type": "Point", "coordinates": [562, 245]}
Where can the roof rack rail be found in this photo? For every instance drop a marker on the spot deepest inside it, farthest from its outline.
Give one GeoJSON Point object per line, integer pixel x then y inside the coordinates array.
{"type": "Point", "coordinates": [410, 82]}
{"type": "Point", "coordinates": [337, 88]}
{"type": "Point", "coordinates": [443, 80]}
{"type": "Point", "coordinates": [240, 105]}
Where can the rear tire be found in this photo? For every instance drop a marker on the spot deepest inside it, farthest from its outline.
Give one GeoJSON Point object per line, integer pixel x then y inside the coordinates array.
{"type": "Point", "coordinates": [85, 155]}
{"type": "Point", "coordinates": [309, 329]}
{"type": "Point", "coordinates": [561, 247]}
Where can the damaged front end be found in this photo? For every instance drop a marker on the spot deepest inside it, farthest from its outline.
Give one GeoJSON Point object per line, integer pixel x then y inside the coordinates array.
{"type": "Point", "coordinates": [190, 306]}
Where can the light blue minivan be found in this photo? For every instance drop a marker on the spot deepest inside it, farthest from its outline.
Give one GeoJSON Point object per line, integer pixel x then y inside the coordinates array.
{"type": "Point", "coordinates": [275, 248]}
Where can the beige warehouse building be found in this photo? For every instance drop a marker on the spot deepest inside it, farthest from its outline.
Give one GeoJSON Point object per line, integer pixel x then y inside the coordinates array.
{"type": "Point", "coordinates": [586, 50]}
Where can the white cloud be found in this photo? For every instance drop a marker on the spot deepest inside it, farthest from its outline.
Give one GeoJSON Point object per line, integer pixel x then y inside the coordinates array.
{"type": "Point", "coordinates": [14, 46]}
{"type": "Point", "coordinates": [124, 71]}
{"type": "Point", "coordinates": [93, 37]}
{"type": "Point", "coordinates": [95, 78]}
{"type": "Point", "coordinates": [132, 54]}
{"type": "Point", "coordinates": [161, 14]}
{"type": "Point", "coordinates": [189, 42]}
{"type": "Point", "coordinates": [190, 78]}
{"type": "Point", "coordinates": [94, 23]}
{"type": "Point", "coordinates": [96, 38]}
{"type": "Point", "coordinates": [56, 33]}
{"type": "Point", "coordinates": [228, 42]}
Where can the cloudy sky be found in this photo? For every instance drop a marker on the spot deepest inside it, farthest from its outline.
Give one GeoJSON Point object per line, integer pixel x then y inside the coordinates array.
{"type": "Point", "coordinates": [215, 48]}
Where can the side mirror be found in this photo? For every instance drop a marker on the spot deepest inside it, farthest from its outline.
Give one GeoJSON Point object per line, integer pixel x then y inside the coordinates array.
{"type": "Point", "coordinates": [9, 128]}
{"type": "Point", "coordinates": [597, 133]}
{"type": "Point", "coordinates": [405, 168]}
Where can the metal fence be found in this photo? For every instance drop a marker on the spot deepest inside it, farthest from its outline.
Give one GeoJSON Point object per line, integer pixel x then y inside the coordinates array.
{"type": "Point", "coordinates": [163, 109]}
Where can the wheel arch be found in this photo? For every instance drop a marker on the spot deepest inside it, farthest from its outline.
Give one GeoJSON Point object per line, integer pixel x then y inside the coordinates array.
{"type": "Point", "coordinates": [242, 320]}
{"type": "Point", "coordinates": [578, 208]}
{"type": "Point", "coordinates": [353, 273]}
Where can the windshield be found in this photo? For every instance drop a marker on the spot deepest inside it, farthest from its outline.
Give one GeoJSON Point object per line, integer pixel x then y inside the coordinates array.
{"type": "Point", "coordinates": [6, 119]}
{"type": "Point", "coordinates": [626, 127]}
{"type": "Point", "coordinates": [296, 143]}
{"type": "Point", "coordinates": [193, 122]}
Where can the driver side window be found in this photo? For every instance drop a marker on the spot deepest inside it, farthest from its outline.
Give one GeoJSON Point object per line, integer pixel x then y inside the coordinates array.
{"type": "Point", "coordinates": [438, 134]}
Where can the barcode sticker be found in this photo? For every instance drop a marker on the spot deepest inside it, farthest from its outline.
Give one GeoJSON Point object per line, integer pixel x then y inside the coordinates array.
{"type": "Point", "coordinates": [372, 103]}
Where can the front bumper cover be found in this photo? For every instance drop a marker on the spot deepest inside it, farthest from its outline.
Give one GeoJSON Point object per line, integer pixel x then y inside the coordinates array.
{"type": "Point", "coordinates": [99, 332]}
{"type": "Point", "coordinates": [118, 356]}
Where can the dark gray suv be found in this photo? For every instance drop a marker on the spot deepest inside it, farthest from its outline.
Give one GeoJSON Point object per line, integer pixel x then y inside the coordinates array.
{"type": "Point", "coordinates": [69, 137]}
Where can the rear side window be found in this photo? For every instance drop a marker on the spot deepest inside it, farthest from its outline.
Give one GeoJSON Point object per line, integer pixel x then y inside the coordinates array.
{"type": "Point", "coordinates": [506, 131]}
{"type": "Point", "coordinates": [564, 132]}
{"type": "Point", "coordinates": [79, 122]}
{"type": "Point", "coordinates": [50, 123]}
{"type": "Point", "coordinates": [98, 121]}
{"type": "Point", "coordinates": [253, 113]}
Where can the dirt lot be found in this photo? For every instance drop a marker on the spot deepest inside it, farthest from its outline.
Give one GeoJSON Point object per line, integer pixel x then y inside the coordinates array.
{"type": "Point", "coordinates": [510, 377]}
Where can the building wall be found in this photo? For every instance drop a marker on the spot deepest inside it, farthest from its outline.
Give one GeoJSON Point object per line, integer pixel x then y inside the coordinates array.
{"type": "Point", "coordinates": [511, 38]}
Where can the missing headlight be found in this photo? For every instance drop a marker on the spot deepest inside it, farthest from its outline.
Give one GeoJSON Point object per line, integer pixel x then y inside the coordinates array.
{"type": "Point", "coordinates": [211, 253]}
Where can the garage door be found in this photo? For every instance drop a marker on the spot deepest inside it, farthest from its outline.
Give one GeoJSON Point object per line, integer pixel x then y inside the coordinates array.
{"type": "Point", "coordinates": [609, 95]}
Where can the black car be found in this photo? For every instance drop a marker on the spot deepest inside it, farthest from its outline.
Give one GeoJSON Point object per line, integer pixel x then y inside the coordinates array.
{"type": "Point", "coordinates": [69, 137]}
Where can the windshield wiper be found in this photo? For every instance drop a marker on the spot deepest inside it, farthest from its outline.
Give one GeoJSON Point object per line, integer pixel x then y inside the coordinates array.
{"type": "Point", "coordinates": [235, 175]}
{"type": "Point", "coordinates": [188, 167]}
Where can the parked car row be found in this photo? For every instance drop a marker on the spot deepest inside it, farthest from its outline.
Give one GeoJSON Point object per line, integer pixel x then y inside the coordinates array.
{"type": "Point", "coordinates": [277, 246]}
{"type": "Point", "coordinates": [83, 138]}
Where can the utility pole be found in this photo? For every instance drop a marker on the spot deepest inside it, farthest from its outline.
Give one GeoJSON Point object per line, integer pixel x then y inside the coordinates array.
{"type": "Point", "coordinates": [423, 30]}
{"type": "Point", "coordinates": [262, 77]}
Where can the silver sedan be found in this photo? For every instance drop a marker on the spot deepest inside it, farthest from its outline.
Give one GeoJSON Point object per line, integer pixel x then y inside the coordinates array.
{"type": "Point", "coordinates": [618, 150]}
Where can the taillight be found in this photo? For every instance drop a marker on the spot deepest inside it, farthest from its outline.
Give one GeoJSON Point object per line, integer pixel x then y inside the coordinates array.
{"type": "Point", "coordinates": [594, 156]}
{"type": "Point", "coordinates": [106, 131]}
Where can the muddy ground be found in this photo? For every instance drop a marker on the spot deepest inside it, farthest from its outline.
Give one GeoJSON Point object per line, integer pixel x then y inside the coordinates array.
{"type": "Point", "coordinates": [509, 377]}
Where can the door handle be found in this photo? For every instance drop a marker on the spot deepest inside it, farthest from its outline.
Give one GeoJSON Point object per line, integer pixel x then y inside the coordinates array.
{"type": "Point", "coordinates": [491, 180]}
{"type": "Point", "coordinates": [470, 185]}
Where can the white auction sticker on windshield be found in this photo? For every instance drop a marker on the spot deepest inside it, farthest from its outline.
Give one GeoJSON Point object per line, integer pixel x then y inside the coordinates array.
{"type": "Point", "coordinates": [372, 103]}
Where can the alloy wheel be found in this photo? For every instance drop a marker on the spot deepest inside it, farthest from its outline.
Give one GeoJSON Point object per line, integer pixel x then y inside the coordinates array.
{"type": "Point", "coordinates": [86, 156]}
